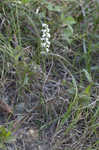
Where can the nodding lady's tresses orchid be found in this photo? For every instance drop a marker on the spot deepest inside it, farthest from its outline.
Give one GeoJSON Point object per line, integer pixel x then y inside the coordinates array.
{"type": "Point", "coordinates": [45, 43]}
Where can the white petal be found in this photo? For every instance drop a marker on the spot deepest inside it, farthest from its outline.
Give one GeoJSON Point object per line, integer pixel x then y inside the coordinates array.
{"type": "Point", "coordinates": [44, 35]}
{"type": "Point", "coordinates": [48, 43]}
{"type": "Point", "coordinates": [47, 49]}
{"type": "Point", "coordinates": [48, 29]}
{"type": "Point", "coordinates": [43, 44]}
{"type": "Point", "coordinates": [42, 39]}
{"type": "Point", "coordinates": [48, 35]}
{"type": "Point", "coordinates": [44, 25]}
{"type": "Point", "coordinates": [47, 46]}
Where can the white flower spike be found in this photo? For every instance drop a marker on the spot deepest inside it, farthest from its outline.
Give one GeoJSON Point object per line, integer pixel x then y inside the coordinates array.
{"type": "Point", "coordinates": [45, 43]}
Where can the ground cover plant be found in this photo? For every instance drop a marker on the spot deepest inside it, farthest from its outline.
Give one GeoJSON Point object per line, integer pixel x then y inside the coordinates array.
{"type": "Point", "coordinates": [49, 74]}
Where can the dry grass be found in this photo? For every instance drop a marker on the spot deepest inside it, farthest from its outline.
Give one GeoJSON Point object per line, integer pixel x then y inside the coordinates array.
{"type": "Point", "coordinates": [54, 96]}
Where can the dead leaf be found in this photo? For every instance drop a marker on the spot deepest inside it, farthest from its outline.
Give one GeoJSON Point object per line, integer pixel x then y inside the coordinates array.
{"type": "Point", "coordinates": [5, 108]}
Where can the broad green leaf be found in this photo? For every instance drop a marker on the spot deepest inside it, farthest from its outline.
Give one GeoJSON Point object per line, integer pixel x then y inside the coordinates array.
{"type": "Point", "coordinates": [67, 32]}
{"type": "Point", "coordinates": [57, 8]}
{"type": "Point", "coordinates": [51, 7]}
{"type": "Point", "coordinates": [87, 90]}
{"type": "Point", "coordinates": [84, 99]}
{"type": "Point", "coordinates": [70, 27]}
{"type": "Point", "coordinates": [8, 134]}
{"type": "Point", "coordinates": [68, 35]}
{"type": "Point", "coordinates": [25, 1]}
{"type": "Point", "coordinates": [69, 20]}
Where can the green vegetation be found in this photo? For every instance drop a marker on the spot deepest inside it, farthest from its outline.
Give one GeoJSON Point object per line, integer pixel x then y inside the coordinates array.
{"type": "Point", "coordinates": [49, 71]}
{"type": "Point", "coordinates": [5, 137]}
